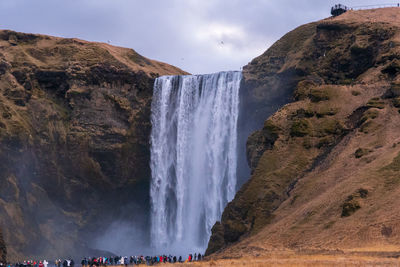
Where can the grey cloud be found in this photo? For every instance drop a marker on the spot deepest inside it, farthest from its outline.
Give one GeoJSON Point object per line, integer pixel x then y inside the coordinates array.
{"type": "Point", "coordinates": [185, 33]}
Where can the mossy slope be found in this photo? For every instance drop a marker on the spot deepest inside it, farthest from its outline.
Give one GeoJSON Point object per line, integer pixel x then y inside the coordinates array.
{"type": "Point", "coordinates": [342, 100]}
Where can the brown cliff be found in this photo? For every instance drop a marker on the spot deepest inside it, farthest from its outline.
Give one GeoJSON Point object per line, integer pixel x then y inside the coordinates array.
{"type": "Point", "coordinates": [74, 140]}
{"type": "Point", "coordinates": [324, 166]}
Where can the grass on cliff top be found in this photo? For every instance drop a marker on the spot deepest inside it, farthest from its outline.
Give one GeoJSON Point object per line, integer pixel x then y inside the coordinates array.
{"type": "Point", "coordinates": [291, 42]}
{"type": "Point", "coordinates": [54, 52]}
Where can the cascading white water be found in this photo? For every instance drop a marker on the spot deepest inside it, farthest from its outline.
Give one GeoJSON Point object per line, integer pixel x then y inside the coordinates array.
{"type": "Point", "coordinates": [193, 157]}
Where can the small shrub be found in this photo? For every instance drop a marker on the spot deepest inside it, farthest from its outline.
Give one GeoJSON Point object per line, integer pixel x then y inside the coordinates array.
{"type": "Point", "coordinates": [351, 204]}
{"type": "Point", "coordinates": [317, 95]}
{"type": "Point", "coordinates": [376, 103]}
{"type": "Point", "coordinates": [303, 89]}
{"type": "Point", "coordinates": [271, 128]}
{"type": "Point", "coordinates": [330, 126]}
{"type": "Point", "coordinates": [370, 114]}
{"type": "Point", "coordinates": [326, 111]}
{"type": "Point", "coordinates": [394, 166]}
{"type": "Point", "coordinates": [301, 127]}
{"type": "Point", "coordinates": [301, 113]}
{"type": "Point", "coordinates": [360, 152]}
{"type": "Point", "coordinates": [368, 127]}
{"type": "Point", "coordinates": [363, 192]}
{"type": "Point", "coordinates": [349, 207]}
{"type": "Point", "coordinates": [325, 141]}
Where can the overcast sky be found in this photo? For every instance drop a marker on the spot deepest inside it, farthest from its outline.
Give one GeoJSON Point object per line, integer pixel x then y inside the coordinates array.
{"type": "Point", "coordinates": [199, 36]}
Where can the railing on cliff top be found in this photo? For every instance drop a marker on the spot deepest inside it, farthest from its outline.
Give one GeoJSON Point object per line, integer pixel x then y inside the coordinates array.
{"type": "Point", "coordinates": [375, 6]}
{"type": "Point", "coordinates": [339, 9]}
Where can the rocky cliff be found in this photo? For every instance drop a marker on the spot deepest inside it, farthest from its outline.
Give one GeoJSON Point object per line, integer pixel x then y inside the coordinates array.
{"type": "Point", "coordinates": [74, 141]}
{"type": "Point", "coordinates": [3, 250]}
{"type": "Point", "coordinates": [325, 166]}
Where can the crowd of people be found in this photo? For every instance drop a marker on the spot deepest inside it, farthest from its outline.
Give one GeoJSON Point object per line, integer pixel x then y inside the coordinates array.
{"type": "Point", "coordinates": [135, 260]}
{"type": "Point", "coordinates": [109, 261]}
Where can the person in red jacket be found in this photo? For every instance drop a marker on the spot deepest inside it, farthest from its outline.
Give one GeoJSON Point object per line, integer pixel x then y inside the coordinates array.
{"type": "Point", "coordinates": [41, 264]}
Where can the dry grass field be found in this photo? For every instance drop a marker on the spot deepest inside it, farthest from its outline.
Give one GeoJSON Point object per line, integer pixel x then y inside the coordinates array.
{"type": "Point", "coordinates": [298, 259]}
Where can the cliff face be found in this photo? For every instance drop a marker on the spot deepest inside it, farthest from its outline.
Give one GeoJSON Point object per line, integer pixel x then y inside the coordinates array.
{"type": "Point", "coordinates": [3, 250]}
{"type": "Point", "coordinates": [324, 167]}
{"type": "Point", "coordinates": [74, 140]}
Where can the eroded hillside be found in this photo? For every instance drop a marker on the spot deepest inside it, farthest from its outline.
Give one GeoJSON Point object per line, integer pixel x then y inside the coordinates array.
{"type": "Point", "coordinates": [74, 141]}
{"type": "Point", "coordinates": [325, 167]}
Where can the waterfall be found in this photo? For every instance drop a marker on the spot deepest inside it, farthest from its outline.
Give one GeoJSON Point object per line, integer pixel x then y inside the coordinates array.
{"type": "Point", "coordinates": [193, 157]}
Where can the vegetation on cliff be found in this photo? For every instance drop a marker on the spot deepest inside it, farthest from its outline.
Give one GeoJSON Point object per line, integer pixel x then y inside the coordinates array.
{"type": "Point", "coordinates": [74, 140]}
{"type": "Point", "coordinates": [322, 165]}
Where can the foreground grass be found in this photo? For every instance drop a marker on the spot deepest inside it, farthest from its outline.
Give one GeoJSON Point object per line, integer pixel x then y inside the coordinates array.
{"type": "Point", "coordinates": [301, 260]}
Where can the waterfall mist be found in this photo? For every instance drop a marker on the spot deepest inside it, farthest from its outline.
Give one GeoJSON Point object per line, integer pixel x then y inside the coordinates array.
{"type": "Point", "coordinates": [193, 157]}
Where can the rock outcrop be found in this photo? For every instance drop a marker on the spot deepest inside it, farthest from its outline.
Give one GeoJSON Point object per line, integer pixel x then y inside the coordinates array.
{"type": "Point", "coordinates": [74, 141]}
{"type": "Point", "coordinates": [324, 166]}
{"type": "Point", "coordinates": [3, 250]}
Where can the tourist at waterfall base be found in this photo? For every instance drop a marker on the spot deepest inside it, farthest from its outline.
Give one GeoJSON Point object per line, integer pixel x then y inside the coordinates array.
{"type": "Point", "coordinates": [111, 261]}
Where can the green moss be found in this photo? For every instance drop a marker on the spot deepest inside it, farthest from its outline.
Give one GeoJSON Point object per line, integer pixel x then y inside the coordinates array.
{"type": "Point", "coordinates": [326, 111]}
{"type": "Point", "coordinates": [325, 141]}
{"type": "Point", "coordinates": [271, 128]}
{"type": "Point", "coordinates": [330, 126]}
{"type": "Point", "coordinates": [376, 103]}
{"type": "Point", "coordinates": [309, 89]}
{"type": "Point", "coordinates": [370, 114]}
{"type": "Point", "coordinates": [303, 89]}
{"type": "Point", "coordinates": [360, 152]}
{"type": "Point", "coordinates": [368, 127]}
{"type": "Point", "coordinates": [300, 127]}
{"type": "Point", "coordinates": [317, 95]}
{"type": "Point", "coordinates": [394, 166]}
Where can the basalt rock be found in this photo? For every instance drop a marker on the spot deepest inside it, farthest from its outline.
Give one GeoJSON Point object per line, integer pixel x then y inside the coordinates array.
{"type": "Point", "coordinates": [74, 141]}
